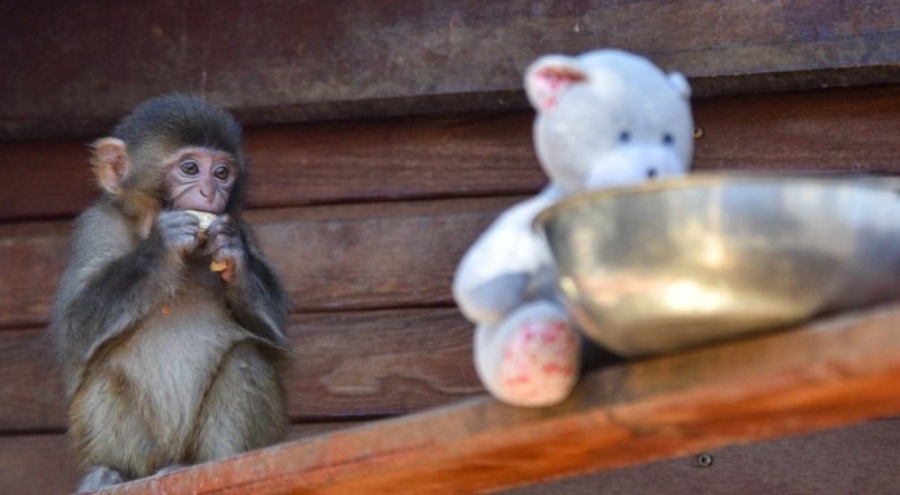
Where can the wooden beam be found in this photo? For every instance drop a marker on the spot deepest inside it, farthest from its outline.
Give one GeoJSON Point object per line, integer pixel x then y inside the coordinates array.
{"type": "Point", "coordinates": [859, 458]}
{"type": "Point", "coordinates": [478, 155]}
{"type": "Point", "coordinates": [824, 375]}
{"type": "Point", "coordinates": [831, 130]}
{"type": "Point", "coordinates": [42, 464]}
{"type": "Point", "coordinates": [358, 256]}
{"type": "Point", "coordinates": [345, 365]}
{"type": "Point", "coordinates": [73, 72]}
{"type": "Point", "coordinates": [36, 465]}
{"type": "Point", "coordinates": [325, 162]}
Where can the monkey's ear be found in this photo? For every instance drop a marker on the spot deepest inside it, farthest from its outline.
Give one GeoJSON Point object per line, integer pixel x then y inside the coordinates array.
{"type": "Point", "coordinates": [110, 163]}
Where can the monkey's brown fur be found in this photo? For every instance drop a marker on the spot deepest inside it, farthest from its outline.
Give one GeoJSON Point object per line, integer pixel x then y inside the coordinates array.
{"type": "Point", "coordinates": [164, 363]}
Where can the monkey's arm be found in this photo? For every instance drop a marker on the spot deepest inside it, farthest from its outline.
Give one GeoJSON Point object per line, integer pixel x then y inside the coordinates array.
{"type": "Point", "coordinates": [253, 290]}
{"type": "Point", "coordinates": [115, 280]}
{"type": "Point", "coordinates": [257, 299]}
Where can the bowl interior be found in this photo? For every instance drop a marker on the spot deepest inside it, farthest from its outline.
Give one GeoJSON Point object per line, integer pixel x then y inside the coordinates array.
{"type": "Point", "coordinates": [671, 265]}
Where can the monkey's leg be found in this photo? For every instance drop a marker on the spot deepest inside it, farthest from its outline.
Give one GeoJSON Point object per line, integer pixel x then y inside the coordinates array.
{"type": "Point", "coordinates": [108, 432]}
{"type": "Point", "coordinates": [531, 358]}
{"type": "Point", "coordinates": [244, 408]}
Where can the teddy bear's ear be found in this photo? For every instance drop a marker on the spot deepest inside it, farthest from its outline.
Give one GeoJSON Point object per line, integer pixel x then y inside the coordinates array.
{"type": "Point", "coordinates": [549, 77]}
{"type": "Point", "coordinates": [680, 83]}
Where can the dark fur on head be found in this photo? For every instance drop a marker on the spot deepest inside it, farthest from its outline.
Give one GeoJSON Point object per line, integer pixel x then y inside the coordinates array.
{"type": "Point", "coordinates": [161, 126]}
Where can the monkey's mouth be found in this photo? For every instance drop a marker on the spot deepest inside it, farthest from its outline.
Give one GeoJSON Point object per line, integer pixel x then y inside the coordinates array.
{"type": "Point", "coordinates": [206, 218]}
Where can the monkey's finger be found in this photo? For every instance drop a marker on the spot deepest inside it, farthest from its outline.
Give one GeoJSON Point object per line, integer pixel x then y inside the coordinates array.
{"type": "Point", "coordinates": [222, 224]}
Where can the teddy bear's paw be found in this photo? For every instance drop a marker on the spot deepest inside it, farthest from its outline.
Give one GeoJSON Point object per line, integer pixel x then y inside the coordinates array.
{"type": "Point", "coordinates": [540, 363]}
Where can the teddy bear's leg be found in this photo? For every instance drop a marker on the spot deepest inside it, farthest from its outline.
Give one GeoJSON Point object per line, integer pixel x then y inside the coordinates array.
{"type": "Point", "coordinates": [532, 358]}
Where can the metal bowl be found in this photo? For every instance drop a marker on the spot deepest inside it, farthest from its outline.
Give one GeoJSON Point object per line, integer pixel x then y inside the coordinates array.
{"type": "Point", "coordinates": [665, 266]}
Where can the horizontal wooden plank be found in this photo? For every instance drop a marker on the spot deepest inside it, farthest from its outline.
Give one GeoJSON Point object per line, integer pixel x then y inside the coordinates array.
{"type": "Point", "coordinates": [477, 155]}
{"type": "Point", "coordinates": [346, 364]}
{"type": "Point", "coordinates": [853, 459]}
{"type": "Point", "coordinates": [843, 130]}
{"type": "Point", "coordinates": [372, 363]}
{"type": "Point", "coordinates": [76, 72]}
{"type": "Point", "coordinates": [43, 464]}
{"type": "Point", "coordinates": [409, 158]}
{"type": "Point", "coordinates": [334, 257]}
{"type": "Point", "coordinates": [31, 397]}
{"type": "Point", "coordinates": [36, 465]}
{"type": "Point", "coordinates": [825, 375]}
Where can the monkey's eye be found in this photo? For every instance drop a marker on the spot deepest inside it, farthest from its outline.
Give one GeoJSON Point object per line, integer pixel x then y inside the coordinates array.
{"type": "Point", "coordinates": [190, 167]}
{"type": "Point", "coordinates": [222, 172]}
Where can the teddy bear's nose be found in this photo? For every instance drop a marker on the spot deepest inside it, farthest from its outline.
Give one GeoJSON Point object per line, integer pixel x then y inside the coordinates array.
{"type": "Point", "coordinates": [651, 173]}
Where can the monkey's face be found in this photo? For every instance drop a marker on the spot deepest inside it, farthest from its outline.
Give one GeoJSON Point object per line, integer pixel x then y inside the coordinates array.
{"type": "Point", "coordinates": [200, 179]}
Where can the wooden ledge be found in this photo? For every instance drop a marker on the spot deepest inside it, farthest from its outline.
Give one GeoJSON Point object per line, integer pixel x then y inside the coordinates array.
{"type": "Point", "coordinates": [823, 375]}
{"type": "Point", "coordinates": [307, 61]}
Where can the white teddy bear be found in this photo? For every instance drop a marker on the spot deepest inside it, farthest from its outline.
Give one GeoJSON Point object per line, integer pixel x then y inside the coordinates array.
{"type": "Point", "coordinates": [604, 119]}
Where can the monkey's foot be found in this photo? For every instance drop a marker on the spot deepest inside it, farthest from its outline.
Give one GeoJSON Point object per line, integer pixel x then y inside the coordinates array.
{"type": "Point", "coordinates": [540, 363]}
{"type": "Point", "coordinates": [99, 477]}
{"type": "Point", "coordinates": [170, 469]}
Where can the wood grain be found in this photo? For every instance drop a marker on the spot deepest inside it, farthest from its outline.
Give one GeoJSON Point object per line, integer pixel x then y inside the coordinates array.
{"type": "Point", "coordinates": [36, 465]}
{"type": "Point", "coordinates": [829, 374]}
{"type": "Point", "coordinates": [76, 72]}
{"type": "Point", "coordinates": [328, 162]}
{"type": "Point", "coordinates": [335, 257]}
{"type": "Point", "coordinates": [31, 395]}
{"type": "Point", "coordinates": [477, 155]}
{"type": "Point", "coordinates": [842, 130]}
{"type": "Point", "coordinates": [346, 365]}
{"type": "Point", "coordinates": [43, 464]}
{"type": "Point", "coordinates": [853, 459]}
{"type": "Point", "coordinates": [373, 363]}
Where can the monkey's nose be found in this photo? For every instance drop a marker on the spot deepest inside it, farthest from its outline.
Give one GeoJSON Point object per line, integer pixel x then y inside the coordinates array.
{"type": "Point", "coordinates": [207, 191]}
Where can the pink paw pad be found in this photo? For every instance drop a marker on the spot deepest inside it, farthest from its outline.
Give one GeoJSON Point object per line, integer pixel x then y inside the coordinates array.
{"type": "Point", "coordinates": [540, 362]}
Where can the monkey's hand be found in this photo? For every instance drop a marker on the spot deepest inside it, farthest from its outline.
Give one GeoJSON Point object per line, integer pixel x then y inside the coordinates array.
{"type": "Point", "coordinates": [226, 248]}
{"type": "Point", "coordinates": [178, 230]}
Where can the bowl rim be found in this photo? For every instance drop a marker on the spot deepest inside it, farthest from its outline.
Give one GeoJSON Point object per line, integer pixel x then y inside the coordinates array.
{"type": "Point", "coordinates": [843, 179]}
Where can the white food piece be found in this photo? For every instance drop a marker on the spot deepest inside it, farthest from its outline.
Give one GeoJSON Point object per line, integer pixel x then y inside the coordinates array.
{"type": "Point", "coordinates": [206, 218]}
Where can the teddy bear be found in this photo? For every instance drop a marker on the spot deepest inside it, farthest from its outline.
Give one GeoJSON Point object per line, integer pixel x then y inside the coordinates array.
{"type": "Point", "coordinates": [606, 118]}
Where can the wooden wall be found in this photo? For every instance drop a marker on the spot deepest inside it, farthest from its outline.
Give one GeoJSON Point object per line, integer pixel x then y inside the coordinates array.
{"type": "Point", "coordinates": [384, 136]}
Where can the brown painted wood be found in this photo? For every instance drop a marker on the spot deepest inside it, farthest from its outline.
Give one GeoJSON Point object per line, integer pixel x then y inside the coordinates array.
{"type": "Point", "coordinates": [409, 158]}
{"type": "Point", "coordinates": [853, 459]}
{"type": "Point", "coordinates": [31, 397]}
{"type": "Point", "coordinates": [346, 365]}
{"type": "Point", "coordinates": [32, 258]}
{"type": "Point", "coordinates": [413, 158]}
{"type": "Point", "coordinates": [75, 72]}
{"type": "Point", "coordinates": [857, 459]}
{"type": "Point", "coordinates": [36, 465]}
{"type": "Point", "coordinates": [334, 257]}
{"type": "Point", "coordinates": [403, 158]}
{"type": "Point", "coordinates": [825, 375]}
{"type": "Point", "coordinates": [46, 179]}
{"type": "Point", "coordinates": [43, 465]}
{"type": "Point", "coordinates": [842, 130]}
{"type": "Point", "coordinates": [372, 363]}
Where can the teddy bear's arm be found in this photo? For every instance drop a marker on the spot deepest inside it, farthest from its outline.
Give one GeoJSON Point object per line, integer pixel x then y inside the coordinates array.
{"type": "Point", "coordinates": [488, 302]}
{"type": "Point", "coordinates": [496, 274]}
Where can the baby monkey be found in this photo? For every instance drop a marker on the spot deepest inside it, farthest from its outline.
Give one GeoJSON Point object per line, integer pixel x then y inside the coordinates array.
{"type": "Point", "coordinates": [170, 336]}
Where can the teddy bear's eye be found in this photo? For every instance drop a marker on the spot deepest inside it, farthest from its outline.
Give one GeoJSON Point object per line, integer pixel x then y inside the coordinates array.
{"type": "Point", "coordinates": [624, 137]}
{"type": "Point", "coordinates": [668, 139]}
